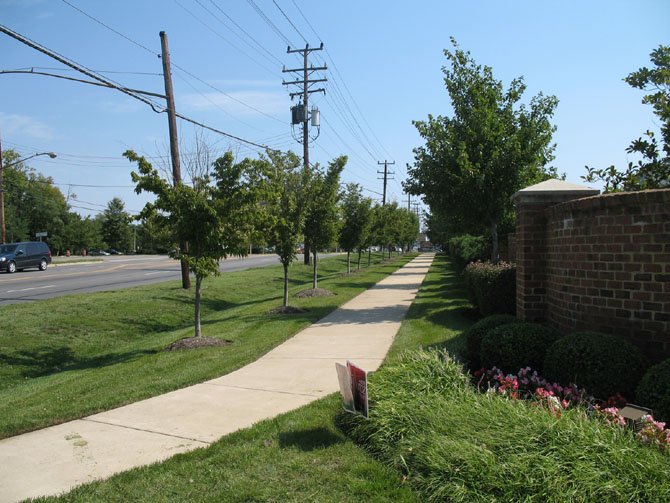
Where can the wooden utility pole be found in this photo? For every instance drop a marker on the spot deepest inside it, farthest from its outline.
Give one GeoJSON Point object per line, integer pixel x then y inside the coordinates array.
{"type": "Point", "coordinates": [386, 174]}
{"type": "Point", "coordinates": [2, 196]}
{"type": "Point", "coordinates": [174, 143]}
{"type": "Point", "coordinates": [304, 94]}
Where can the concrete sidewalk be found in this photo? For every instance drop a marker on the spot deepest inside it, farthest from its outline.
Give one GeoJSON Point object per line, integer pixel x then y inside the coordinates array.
{"type": "Point", "coordinates": [299, 371]}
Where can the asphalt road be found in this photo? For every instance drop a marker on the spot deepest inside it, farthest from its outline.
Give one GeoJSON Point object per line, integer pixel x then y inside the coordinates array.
{"type": "Point", "coordinates": [113, 273]}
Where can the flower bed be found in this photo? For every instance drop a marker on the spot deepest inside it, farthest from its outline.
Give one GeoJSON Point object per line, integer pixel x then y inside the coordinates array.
{"type": "Point", "coordinates": [529, 385]}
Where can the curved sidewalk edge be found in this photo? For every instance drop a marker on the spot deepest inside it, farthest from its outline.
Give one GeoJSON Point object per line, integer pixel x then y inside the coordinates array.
{"type": "Point", "coordinates": [295, 373]}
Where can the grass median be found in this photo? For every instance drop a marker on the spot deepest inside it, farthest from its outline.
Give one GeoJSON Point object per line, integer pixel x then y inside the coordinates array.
{"type": "Point", "coordinates": [72, 356]}
{"type": "Point", "coordinates": [301, 455]}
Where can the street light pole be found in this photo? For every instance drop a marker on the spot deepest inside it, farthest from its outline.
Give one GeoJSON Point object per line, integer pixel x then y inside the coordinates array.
{"type": "Point", "coordinates": [2, 186]}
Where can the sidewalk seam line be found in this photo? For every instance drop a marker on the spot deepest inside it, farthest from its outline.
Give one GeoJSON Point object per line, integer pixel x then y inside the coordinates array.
{"type": "Point", "coordinates": [311, 395]}
{"type": "Point", "coordinates": [146, 431]}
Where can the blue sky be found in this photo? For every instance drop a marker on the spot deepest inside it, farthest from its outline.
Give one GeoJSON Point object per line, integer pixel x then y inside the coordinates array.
{"type": "Point", "coordinates": [384, 60]}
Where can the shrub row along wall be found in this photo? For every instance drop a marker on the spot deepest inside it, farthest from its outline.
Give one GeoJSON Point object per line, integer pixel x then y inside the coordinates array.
{"type": "Point", "coordinates": [596, 263]}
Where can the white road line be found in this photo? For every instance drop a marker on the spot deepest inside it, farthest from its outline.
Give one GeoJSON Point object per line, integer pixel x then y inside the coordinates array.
{"type": "Point", "coordinates": [157, 272]}
{"type": "Point", "coordinates": [32, 288]}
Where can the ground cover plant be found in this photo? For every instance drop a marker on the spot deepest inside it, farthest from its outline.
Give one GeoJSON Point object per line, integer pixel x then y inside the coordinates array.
{"type": "Point", "coordinates": [455, 443]}
{"type": "Point", "coordinates": [71, 356]}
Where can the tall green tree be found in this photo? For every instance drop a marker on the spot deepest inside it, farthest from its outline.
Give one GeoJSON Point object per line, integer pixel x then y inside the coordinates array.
{"type": "Point", "coordinates": [115, 225]}
{"type": "Point", "coordinates": [321, 219]}
{"type": "Point", "coordinates": [32, 203]}
{"type": "Point", "coordinates": [215, 215]}
{"type": "Point", "coordinates": [489, 148]}
{"type": "Point", "coordinates": [356, 221]}
{"type": "Point", "coordinates": [286, 207]}
{"type": "Point", "coordinates": [652, 170]}
{"type": "Point", "coordinates": [408, 230]}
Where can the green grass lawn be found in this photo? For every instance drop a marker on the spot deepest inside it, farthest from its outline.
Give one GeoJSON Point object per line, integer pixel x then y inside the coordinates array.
{"type": "Point", "coordinates": [72, 356]}
{"type": "Point", "coordinates": [299, 456]}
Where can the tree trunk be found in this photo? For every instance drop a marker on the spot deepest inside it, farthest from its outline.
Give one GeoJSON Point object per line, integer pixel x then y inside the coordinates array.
{"type": "Point", "coordinates": [306, 256]}
{"type": "Point", "coordinates": [315, 281]}
{"type": "Point", "coordinates": [348, 262]}
{"type": "Point", "coordinates": [369, 255]}
{"type": "Point", "coordinates": [359, 259]}
{"type": "Point", "coordinates": [285, 285]}
{"type": "Point", "coordinates": [495, 246]}
{"type": "Point", "coordinates": [198, 291]}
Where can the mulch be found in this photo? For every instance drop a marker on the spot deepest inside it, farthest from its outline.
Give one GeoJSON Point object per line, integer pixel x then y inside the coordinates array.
{"type": "Point", "coordinates": [287, 310]}
{"type": "Point", "coordinates": [197, 342]}
{"type": "Point", "coordinates": [314, 292]}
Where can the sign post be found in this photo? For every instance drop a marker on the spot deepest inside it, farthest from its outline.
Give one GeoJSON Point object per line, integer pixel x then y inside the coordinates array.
{"type": "Point", "coordinates": [41, 235]}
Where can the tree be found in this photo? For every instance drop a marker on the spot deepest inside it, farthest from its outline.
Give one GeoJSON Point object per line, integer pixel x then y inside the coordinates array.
{"type": "Point", "coordinates": [356, 221]}
{"type": "Point", "coordinates": [115, 225]}
{"type": "Point", "coordinates": [652, 171]}
{"type": "Point", "coordinates": [321, 219]}
{"type": "Point", "coordinates": [387, 228]}
{"type": "Point", "coordinates": [491, 147]}
{"type": "Point", "coordinates": [285, 203]}
{"type": "Point", "coordinates": [32, 203]}
{"type": "Point", "coordinates": [215, 215]}
{"type": "Point", "coordinates": [408, 230]}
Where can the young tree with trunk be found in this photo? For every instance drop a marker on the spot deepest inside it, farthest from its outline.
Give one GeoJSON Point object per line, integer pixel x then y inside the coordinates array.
{"type": "Point", "coordinates": [491, 147]}
{"type": "Point", "coordinates": [321, 220]}
{"type": "Point", "coordinates": [215, 215]}
{"type": "Point", "coordinates": [285, 205]}
{"type": "Point", "coordinates": [356, 220]}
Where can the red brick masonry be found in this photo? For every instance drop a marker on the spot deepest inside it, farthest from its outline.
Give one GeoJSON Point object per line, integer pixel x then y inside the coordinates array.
{"type": "Point", "coordinates": [598, 263]}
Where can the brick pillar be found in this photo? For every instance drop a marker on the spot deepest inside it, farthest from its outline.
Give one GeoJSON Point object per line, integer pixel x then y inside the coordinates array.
{"type": "Point", "coordinates": [531, 249]}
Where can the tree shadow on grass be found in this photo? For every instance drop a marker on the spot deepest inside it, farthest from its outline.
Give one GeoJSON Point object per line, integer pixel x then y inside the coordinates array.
{"type": "Point", "coordinates": [309, 440]}
{"type": "Point", "coordinates": [43, 362]}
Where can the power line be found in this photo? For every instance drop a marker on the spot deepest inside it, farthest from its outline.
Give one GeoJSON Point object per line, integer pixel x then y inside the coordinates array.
{"type": "Point", "coordinates": [269, 22]}
{"type": "Point", "coordinates": [290, 22]}
{"type": "Point", "coordinates": [260, 47]}
{"type": "Point", "coordinates": [173, 64]}
{"type": "Point", "coordinates": [111, 29]}
{"type": "Point", "coordinates": [112, 84]}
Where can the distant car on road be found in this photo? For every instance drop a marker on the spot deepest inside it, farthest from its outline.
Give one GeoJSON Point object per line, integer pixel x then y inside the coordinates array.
{"type": "Point", "coordinates": [112, 251]}
{"type": "Point", "coordinates": [19, 256]}
{"type": "Point", "coordinates": [97, 252]}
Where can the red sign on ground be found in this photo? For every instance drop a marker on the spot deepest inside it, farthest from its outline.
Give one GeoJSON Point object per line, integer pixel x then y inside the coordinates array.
{"type": "Point", "coordinates": [354, 388]}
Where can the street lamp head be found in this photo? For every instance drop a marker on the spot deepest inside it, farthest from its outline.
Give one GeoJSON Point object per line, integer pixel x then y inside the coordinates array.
{"type": "Point", "coordinates": [52, 155]}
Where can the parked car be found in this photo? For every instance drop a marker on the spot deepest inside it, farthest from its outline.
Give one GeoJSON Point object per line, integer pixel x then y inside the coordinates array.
{"type": "Point", "coordinates": [19, 256]}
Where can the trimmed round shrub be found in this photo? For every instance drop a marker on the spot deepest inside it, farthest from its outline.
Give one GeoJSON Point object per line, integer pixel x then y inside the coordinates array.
{"type": "Point", "coordinates": [474, 335]}
{"type": "Point", "coordinates": [602, 364]}
{"type": "Point", "coordinates": [654, 390]}
{"type": "Point", "coordinates": [491, 287]}
{"type": "Point", "coordinates": [517, 345]}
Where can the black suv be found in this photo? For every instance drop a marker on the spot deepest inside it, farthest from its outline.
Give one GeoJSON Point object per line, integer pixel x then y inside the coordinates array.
{"type": "Point", "coordinates": [20, 256]}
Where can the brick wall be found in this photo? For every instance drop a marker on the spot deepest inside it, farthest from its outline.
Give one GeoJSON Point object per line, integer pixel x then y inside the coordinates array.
{"type": "Point", "coordinates": [608, 267]}
{"type": "Point", "coordinates": [605, 266]}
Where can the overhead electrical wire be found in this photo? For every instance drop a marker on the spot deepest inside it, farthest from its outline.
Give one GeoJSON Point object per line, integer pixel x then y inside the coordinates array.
{"type": "Point", "coordinates": [175, 65]}
{"type": "Point", "coordinates": [154, 106]}
{"type": "Point", "coordinates": [290, 22]}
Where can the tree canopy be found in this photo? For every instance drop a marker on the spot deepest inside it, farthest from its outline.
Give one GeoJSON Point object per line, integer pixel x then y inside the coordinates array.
{"type": "Point", "coordinates": [215, 215]}
{"type": "Point", "coordinates": [490, 147]}
{"type": "Point", "coordinates": [652, 170]}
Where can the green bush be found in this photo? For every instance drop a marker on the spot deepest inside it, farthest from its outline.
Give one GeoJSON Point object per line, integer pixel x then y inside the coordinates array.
{"type": "Point", "coordinates": [491, 287]}
{"type": "Point", "coordinates": [654, 390]}
{"type": "Point", "coordinates": [474, 335]}
{"type": "Point", "coordinates": [456, 444]}
{"type": "Point", "coordinates": [602, 364]}
{"type": "Point", "coordinates": [466, 248]}
{"type": "Point", "coordinates": [517, 345]}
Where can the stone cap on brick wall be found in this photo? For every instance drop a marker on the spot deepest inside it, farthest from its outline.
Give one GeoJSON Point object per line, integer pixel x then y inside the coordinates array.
{"type": "Point", "coordinates": [552, 191]}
